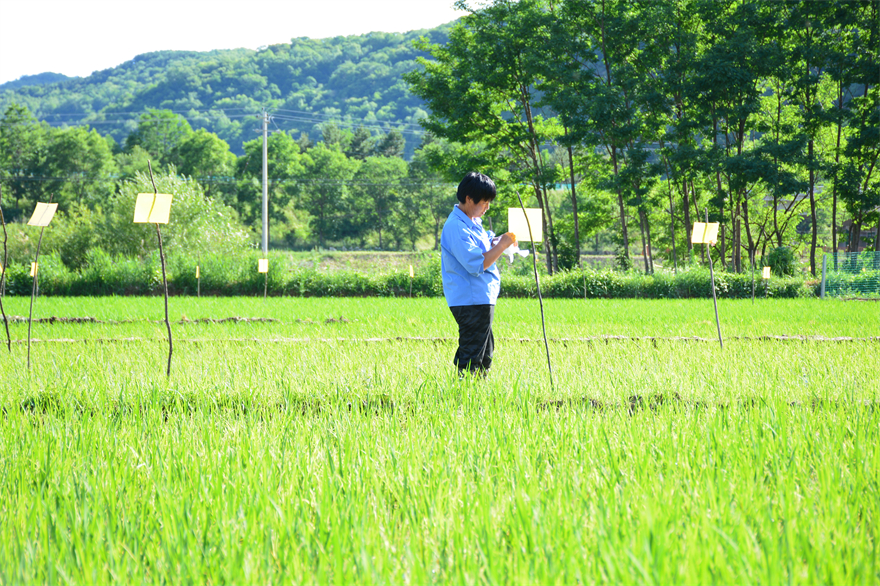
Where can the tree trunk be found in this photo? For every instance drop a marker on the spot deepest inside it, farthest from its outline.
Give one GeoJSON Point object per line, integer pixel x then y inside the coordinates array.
{"type": "Point", "coordinates": [687, 215]}
{"type": "Point", "coordinates": [544, 226]}
{"type": "Point", "coordinates": [672, 228]}
{"type": "Point", "coordinates": [538, 166]}
{"type": "Point", "coordinates": [857, 236]}
{"type": "Point", "coordinates": [620, 203]}
{"type": "Point", "coordinates": [752, 245]}
{"type": "Point", "coordinates": [836, 163]}
{"type": "Point", "coordinates": [574, 206]}
{"type": "Point", "coordinates": [815, 229]}
{"type": "Point", "coordinates": [550, 236]}
{"type": "Point", "coordinates": [694, 200]}
{"type": "Point", "coordinates": [644, 240]}
{"type": "Point", "coordinates": [650, 251]}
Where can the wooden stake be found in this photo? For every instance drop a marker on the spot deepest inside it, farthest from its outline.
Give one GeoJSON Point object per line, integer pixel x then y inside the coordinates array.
{"type": "Point", "coordinates": [34, 291]}
{"type": "Point", "coordinates": [538, 284]}
{"type": "Point", "coordinates": [714, 297]}
{"type": "Point", "coordinates": [164, 278]}
{"type": "Point", "coordinates": [3, 274]}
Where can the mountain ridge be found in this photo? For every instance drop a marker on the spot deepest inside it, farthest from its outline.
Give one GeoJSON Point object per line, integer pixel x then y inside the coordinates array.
{"type": "Point", "coordinates": [350, 80]}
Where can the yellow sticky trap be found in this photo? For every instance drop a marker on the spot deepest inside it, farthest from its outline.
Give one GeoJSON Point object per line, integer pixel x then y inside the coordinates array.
{"type": "Point", "coordinates": [766, 273]}
{"type": "Point", "coordinates": [33, 269]}
{"type": "Point", "coordinates": [152, 208]}
{"type": "Point", "coordinates": [704, 233]}
{"type": "Point", "coordinates": [198, 275]}
{"type": "Point", "coordinates": [516, 223]}
{"type": "Point", "coordinates": [411, 273]}
{"type": "Point", "coordinates": [43, 214]}
{"type": "Point", "coordinates": [263, 265]}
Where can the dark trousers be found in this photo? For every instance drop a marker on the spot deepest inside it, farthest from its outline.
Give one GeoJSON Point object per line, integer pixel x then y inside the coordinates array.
{"type": "Point", "coordinates": [475, 340]}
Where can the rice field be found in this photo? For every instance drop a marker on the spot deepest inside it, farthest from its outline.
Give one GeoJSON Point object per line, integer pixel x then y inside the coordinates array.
{"type": "Point", "coordinates": [331, 441]}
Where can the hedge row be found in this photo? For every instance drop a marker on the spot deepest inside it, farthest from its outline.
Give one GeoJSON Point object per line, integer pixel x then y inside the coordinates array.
{"type": "Point", "coordinates": [225, 276]}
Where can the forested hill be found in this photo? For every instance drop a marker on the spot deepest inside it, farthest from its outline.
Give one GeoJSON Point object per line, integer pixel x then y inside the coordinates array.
{"type": "Point", "coordinates": [352, 81]}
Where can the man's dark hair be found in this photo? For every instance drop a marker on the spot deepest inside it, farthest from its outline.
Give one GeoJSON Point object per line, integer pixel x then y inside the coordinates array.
{"type": "Point", "coordinates": [476, 185]}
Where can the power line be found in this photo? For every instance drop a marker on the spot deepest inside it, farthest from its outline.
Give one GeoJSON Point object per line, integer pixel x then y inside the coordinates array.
{"type": "Point", "coordinates": [331, 117]}
{"type": "Point", "coordinates": [308, 117]}
{"type": "Point", "coordinates": [222, 179]}
{"type": "Point", "coordinates": [351, 124]}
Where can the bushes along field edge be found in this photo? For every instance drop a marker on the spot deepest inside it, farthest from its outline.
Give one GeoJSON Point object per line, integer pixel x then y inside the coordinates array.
{"type": "Point", "coordinates": [222, 275]}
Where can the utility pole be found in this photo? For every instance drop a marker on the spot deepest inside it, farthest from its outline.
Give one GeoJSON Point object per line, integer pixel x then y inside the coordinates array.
{"type": "Point", "coordinates": [265, 184]}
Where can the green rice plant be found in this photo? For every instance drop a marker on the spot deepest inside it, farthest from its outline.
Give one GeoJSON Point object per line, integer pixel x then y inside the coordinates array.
{"type": "Point", "coordinates": [337, 444]}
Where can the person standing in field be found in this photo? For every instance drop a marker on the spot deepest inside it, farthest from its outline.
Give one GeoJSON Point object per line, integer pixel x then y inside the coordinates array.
{"type": "Point", "coordinates": [471, 281]}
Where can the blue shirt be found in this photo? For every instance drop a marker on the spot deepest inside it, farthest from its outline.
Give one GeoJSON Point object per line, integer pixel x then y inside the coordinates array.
{"type": "Point", "coordinates": [462, 244]}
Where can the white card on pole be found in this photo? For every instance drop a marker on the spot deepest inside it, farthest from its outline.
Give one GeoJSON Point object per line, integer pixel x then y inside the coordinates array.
{"type": "Point", "coordinates": [704, 233]}
{"type": "Point", "coordinates": [152, 208]}
{"type": "Point", "coordinates": [766, 273]}
{"type": "Point", "coordinates": [43, 214]}
{"type": "Point", "coordinates": [263, 265]}
{"type": "Point", "coordinates": [711, 233]}
{"type": "Point", "coordinates": [34, 268]}
{"type": "Point", "coordinates": [516, 223]}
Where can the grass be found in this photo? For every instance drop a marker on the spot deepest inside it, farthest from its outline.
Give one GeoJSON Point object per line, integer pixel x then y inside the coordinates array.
{"type": "Point", "coordinates": [300, 451]}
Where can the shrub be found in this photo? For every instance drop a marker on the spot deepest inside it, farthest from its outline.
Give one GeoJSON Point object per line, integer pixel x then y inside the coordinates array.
{"type": "Point", "coordinates": [782, 261]}
{"type": "Point", "coordinates": [223, 274]}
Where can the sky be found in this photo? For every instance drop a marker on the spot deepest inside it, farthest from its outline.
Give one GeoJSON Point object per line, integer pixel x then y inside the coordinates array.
{"type": "Point", "coordinates": [78, 37]}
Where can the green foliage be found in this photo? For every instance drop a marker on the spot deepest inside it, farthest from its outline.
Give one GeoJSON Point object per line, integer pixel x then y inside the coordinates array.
{"type": "Point", "coordinates": [335, 444]}
{"type": "Point", "coordinates": [354, 78]}
{"type": "Point", "coordinates": [198, 223]}
{"type": "Point", "coordinates": [160, 133]}
{"type": "Point", "coordinates": [233, 274]}
{"type": "Point", "coordinates": [285, 164]}
{"type": "Point", "coordinates": [326, 174]}
{"type": "Point", "coordinates": [782, 261]}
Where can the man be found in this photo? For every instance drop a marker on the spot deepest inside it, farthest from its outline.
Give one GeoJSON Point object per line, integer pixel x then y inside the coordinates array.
{"type": "Point", "coordinates": [471, 281]}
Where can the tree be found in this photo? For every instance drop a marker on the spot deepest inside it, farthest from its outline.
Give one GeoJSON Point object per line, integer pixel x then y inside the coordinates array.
{"type": "Point", "coordinates": [324, 180]}
{"type": "Point", "coordinates": [333, 136]}
{"type": "Point", "coordinates": [481, 87]}
{"type": "Point", "coordinates": [375, 189]}
{"type": "Point", "coordinates": [22, 153]}
{"type": "Point", "coordinates": [198, 223]}
{"type": "Point", "coordinates": [859, 176]}
{"type": "Point", "coordinates": [159, 133]}
{"type": "Point", "coordinates": [285, 164]}
{"type": "Point", "coordinates": [594, 84]}
{"type": "Point", "coordinates": [390, 145]}
{"type": "Point", "coordinates": [79, 162]}
{"type": "Point", "coordinates": [434, 192]}
{"type": "Point", "coordinates": [206, 157]}
{"type": "Point", "coordinates": [739, 51]}
{"type": "Point", "coordinates": [361, 144]}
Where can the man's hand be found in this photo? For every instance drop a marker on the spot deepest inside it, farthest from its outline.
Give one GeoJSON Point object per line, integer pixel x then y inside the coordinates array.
{"type": "Point", "coordinates": [505, 241]}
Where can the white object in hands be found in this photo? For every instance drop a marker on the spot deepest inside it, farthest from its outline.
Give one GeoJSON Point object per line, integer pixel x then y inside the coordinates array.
{"type": "Point", "coordinates": [512, 250]}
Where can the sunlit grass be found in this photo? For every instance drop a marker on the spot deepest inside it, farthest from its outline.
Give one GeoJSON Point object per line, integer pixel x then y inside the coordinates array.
{"type": "Point", "coordinates": [300, 451]}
